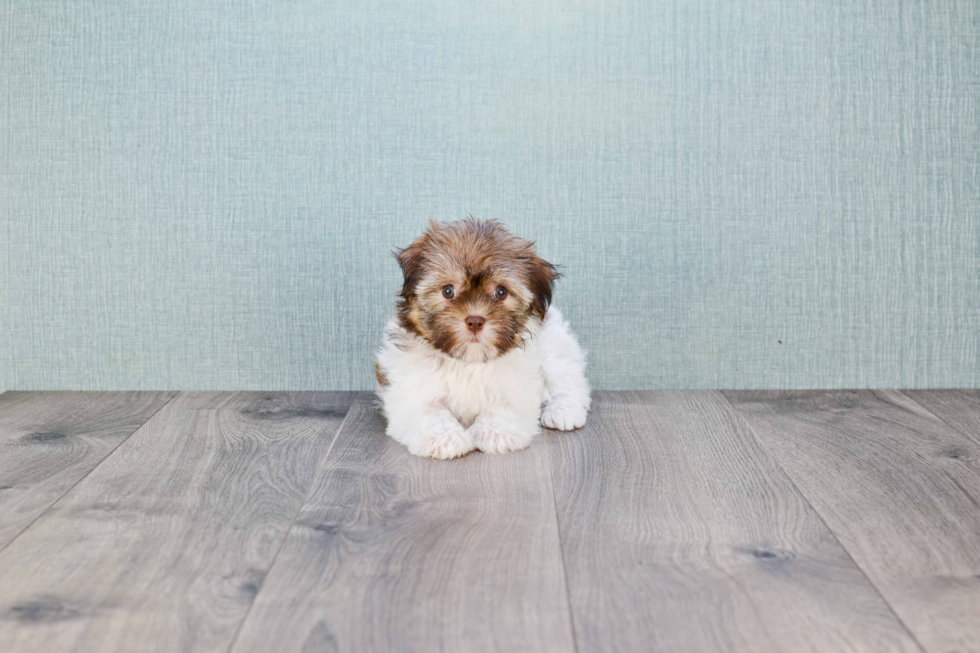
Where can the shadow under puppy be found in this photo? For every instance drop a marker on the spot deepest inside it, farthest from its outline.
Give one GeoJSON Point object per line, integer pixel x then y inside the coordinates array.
{"type": "Point", "coordinates": [476, 358]}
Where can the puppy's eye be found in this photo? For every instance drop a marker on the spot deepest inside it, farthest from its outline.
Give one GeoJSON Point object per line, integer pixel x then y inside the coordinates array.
{"type": "Point", "coordinates": [448, 292]}
{"type": "Point", "coordinates": [500, 292]}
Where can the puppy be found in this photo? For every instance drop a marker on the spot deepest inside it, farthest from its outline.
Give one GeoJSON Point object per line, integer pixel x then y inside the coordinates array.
{"type": "Point", "coordinates": [475, 351]}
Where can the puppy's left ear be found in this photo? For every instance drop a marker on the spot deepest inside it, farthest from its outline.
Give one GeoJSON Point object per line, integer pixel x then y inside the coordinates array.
{"type": "Point", "coordinates": [542, 281]}
{"type": "Point", "coordinates": [410, 259]}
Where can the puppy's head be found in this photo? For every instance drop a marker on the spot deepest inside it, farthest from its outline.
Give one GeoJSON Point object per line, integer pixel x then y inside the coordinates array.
{"type": "Point", "coordinates": [473, 290]}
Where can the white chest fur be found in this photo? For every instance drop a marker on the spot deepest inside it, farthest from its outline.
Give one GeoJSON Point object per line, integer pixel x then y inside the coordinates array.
{"type": "Point", "coordinates": [474, 388]}
{"type": "Point", "coordinates": [428, 377]}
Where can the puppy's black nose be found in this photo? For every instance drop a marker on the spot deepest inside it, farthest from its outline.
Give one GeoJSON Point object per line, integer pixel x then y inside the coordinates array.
{"type": "Point", "coordinates": [474, 323]}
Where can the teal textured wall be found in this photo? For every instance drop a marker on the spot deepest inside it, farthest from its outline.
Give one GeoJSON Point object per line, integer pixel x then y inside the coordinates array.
{"type": "Point", "coordinates": [200, 194]}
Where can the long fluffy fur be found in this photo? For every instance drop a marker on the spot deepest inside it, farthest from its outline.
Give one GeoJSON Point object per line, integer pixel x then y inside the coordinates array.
{"type": "Point", "coordinates": [446, 392]}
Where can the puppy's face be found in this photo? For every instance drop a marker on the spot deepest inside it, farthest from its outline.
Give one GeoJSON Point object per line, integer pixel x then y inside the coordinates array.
{"type": "Point", "coordinates": [472, 289]}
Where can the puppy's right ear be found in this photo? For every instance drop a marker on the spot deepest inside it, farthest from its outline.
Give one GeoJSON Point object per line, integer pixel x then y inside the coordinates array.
{"type": "Point", "coordinates": [411, 259]}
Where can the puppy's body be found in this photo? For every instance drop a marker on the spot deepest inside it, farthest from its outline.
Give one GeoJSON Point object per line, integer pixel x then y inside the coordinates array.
{"type": "Point", "coordinates": [475, 351]}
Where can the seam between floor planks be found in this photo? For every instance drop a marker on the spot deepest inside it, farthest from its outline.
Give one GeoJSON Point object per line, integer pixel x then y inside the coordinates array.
{"type": "Point", "coordinates": [823, 520]}
{"type": "Point", "coordinates": [68, 489]}
{"type": "Point", "coordinates": [879, 454]}
{"type": "Point", "coordinates": [685, 535]}
{"type": "Point", "coordinates": [205, 438]}
{"type": "Point", "coordinates": [561, 553]}
{"type": "Point", "coordinates": [285, 536]}
{"type": "Point", "coordinates": [397, 552]}
{"type": "Point", "coordinates": [86, 475]}
{"type": "Point", "coordinates": [911, 394]}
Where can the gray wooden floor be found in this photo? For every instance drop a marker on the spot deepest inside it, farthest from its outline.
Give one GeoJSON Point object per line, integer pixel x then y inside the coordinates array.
{"type": "Point", "coordinates": [674, 521]}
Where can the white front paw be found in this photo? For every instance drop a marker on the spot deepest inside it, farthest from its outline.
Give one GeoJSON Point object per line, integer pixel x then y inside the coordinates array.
{"type": "Point", "coordinates": [443, 443]}
{"type": "Point", "coordinates": [564, 415]}
{"type": "Point", "coordinates": [496, 437]}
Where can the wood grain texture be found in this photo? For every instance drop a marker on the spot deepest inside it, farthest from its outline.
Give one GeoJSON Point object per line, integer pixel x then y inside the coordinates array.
{"type": "Point", "coordinates": [165, 544]}
{"type": "Point", "coordinates": [899, 488]}
{"type": "Point", "coordinates": [51, 440]}
{"type": "Point", "coordinates": [680, 533]}
{"type": "Point", "coordinates": [958, 408]}
{"type": "Point", "coordinates": [397, 553]}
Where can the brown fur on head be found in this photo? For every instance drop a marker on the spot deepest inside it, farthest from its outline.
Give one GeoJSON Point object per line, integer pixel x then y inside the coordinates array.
{"type": "Point", "coordinates": [475, 257]}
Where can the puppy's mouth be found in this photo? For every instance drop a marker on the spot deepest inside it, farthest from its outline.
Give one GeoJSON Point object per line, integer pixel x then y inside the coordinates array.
{"type": "Point", "coordinates": [477, 346]}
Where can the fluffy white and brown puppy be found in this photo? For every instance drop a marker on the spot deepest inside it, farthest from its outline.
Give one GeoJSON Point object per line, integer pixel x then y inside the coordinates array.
{"type": "Point", "coordinates": [476, 359]}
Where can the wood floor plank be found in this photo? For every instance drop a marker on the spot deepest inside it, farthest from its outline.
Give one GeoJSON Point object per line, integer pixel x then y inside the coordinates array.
{"type": "Point", "coordinates": [958, 408]}
{"type": "Point", "coordinates": [397, 553]}
{"type": "Point", "coordinates": [165, 544]}
{"type": "Point", "coordinates": [901, 490]}
{"type": "Point", "coordinates": [51, 440]}
{"type": "Point", "coordinates": [680, 533]}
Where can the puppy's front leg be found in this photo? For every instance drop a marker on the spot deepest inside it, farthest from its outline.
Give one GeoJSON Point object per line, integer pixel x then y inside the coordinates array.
{"type": "Point", "coordinates": [431, 433]}
{"type": "Point", "coordinates": [566, 390]}
{"type": "Point", "coordinates": [503, 429]}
